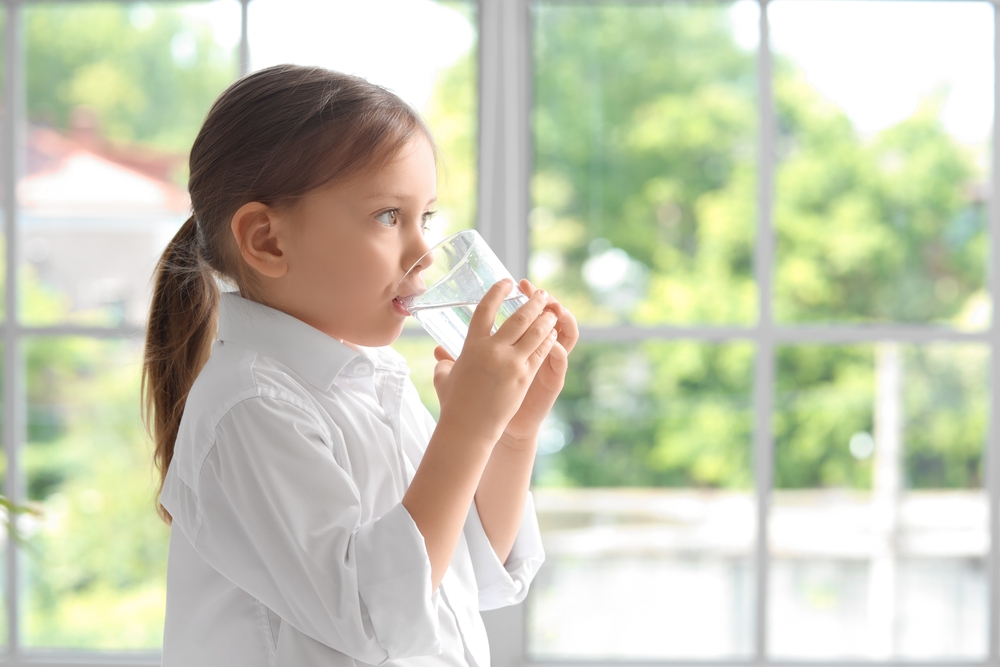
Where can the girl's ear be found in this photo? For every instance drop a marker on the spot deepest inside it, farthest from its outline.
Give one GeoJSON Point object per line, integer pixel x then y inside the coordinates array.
{"type": "Point", "coordinates": [256, 228]}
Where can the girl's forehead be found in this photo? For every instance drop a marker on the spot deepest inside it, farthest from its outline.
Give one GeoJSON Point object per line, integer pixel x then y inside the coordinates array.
{"type": "Point", "coordinates": [414, 163]}
{"type": "Point", "coordinates": [411, 173]}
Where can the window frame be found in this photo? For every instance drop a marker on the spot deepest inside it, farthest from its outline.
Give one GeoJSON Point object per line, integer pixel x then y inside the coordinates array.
{"type": "Point", "coordinates": [766, 335]}
{"type": "Point", "coordinates": [504, 162]}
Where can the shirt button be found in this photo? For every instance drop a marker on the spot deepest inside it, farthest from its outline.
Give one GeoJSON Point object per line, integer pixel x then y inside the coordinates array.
{"type": "Point", "coordinates": [360, 369]}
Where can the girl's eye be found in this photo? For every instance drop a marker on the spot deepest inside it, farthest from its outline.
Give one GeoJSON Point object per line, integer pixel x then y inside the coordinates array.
{"type": "Point", "coordinates": [387, 218]}
{"type": "Point", "coordinates": [425, 219]}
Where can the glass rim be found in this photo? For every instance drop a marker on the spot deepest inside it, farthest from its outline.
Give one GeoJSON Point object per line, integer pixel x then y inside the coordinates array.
{"type": "Point", "coordinates": [437, 246]}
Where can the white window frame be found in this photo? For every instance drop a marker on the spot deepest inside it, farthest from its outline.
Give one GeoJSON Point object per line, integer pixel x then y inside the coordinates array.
{"type": "Point", "coordinates": [507, 24]}
{"type": "Point", "coordinates": [505, 149]}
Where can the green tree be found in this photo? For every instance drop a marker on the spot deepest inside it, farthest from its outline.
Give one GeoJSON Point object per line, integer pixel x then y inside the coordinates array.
{"type": "Point", "coordinates": [879, 230]}
{"type": "Point", "coordinates": [645, 139]}
{"type": "Point", "coordinates": [643, 117]}
{"type": "Point", "coordinates": [97, 555]}
{"type": "Point", "coordinates": [149, 73]}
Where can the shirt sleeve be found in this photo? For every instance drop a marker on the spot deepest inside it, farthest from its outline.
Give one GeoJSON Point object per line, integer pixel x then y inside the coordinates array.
{"type": "Point", "coordinates": [282, 520]}
{"type": "Point", "coordinates": [504, 584]}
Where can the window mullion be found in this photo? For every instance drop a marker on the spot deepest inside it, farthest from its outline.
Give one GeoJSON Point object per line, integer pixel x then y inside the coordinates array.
{"type": "Point", "coordinates": [13, 404]}
{"type": "Point", "coordinates": [763, 387]}
{"type": "Point", "coordinates": [504, 130]}
{"type": "Point", "coordinates": [504, 160]}
{"type": "Point", "coordinates": [244, 39]}
{"type": "Point", "coordinates": [992, 472]}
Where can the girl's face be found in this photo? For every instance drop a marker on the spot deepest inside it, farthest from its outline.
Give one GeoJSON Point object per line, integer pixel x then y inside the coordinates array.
{"type": "Point", "coordinates": [348, 246]}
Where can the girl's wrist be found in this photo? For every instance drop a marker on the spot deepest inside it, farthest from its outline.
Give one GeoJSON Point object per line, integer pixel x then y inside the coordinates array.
{"type": "Point", "coordinates": [471, 434]}
{"type": "Point", "coordinates": [519, 443]}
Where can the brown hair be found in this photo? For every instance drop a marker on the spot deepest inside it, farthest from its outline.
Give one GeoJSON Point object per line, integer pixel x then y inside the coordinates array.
{"type": "Point", "coordinates": [271, 137]}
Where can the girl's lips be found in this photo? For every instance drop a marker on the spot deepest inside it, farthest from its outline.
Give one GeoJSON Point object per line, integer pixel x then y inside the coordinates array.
{"type": "Point", "coordinates": [400, 308]}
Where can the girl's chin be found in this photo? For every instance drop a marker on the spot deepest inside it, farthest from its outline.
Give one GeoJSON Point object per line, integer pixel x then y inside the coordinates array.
{"type": "Point", "coordinates": [380, 339]}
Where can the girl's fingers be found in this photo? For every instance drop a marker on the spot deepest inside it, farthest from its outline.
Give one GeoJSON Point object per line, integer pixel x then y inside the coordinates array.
{"type": "Point", "coordinates": [569, 330]}
{"type": "Point", "coordinates": [511, 331]}
{"type": "Point", "coordinates": [542, 351]}
{"type": "Point", "coordinates": [540, 329]}
{"type": "Point", "coordinates": [441, 354]}
{"type": "Point", "coordinates": [558, 359]}
{"type": "Point", "coordinates": [441, 372]}
{"type": "Point", "coordinates": [485, 314]}
{"type": "Point", "coordinates": [526, 287]}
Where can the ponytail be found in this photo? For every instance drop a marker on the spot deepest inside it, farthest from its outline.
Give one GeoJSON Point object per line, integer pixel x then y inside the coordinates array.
{"type": "Point", "coordinates": [179, 337]}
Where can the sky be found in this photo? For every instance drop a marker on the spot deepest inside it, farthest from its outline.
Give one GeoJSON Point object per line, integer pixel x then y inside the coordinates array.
{"type": "Point", "coordinates": [401, 44]}
{"type": "Point", "coordinates": [876, 60]}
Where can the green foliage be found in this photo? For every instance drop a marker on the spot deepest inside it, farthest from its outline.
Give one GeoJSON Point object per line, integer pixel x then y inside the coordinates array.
{"type": "Point", "coordinates": [99, 552]}
{"type": "Point", "coordinates": [825, 394]}
{"type": "Point", "coordinates": [452, 117]}
{"type": "Point", "coordinates": [876, 230]}
{"type": "Point", "coordinates": [946, 406]}
{"type": "Point", "coordinates": [645, 116]}
{"type": "Point", "coordinates": [148, 72]}
{"type": "Point", "coordinates": [656, 414]}
{"type": "Point", "coordinates": [645, 131]}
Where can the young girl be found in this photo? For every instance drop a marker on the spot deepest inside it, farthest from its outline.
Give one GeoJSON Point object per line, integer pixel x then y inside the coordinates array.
{"type": "Point", "coordinates": [318, 514]}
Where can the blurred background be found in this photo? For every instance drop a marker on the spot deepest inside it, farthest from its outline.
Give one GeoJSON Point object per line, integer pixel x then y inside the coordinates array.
{"type": "Point", "coordinates": [772, 221]}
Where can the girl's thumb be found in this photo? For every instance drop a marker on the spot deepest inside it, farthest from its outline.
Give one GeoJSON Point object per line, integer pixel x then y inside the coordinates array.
{"type": "Point", "coordinates": [441, 354]}
{"type": "Point", "coordinates": [441, 372]}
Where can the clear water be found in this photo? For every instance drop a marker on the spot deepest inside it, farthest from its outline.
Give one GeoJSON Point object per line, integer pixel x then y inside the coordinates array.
{"type": "Point", "coordinates": [448, 323]}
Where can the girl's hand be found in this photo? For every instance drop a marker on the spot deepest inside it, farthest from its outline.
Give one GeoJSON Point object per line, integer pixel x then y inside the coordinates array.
{"type": "Point", "coordinates": [522, 430]}
{"type": "Point", "coordinates": [484, 388]}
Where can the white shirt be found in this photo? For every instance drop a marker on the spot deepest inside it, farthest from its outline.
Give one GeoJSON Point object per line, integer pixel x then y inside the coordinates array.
{"type": "Point", "coordinates": [289, 545]}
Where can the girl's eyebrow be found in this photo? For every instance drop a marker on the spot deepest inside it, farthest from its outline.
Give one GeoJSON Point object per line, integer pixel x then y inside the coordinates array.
{"type": "Point", "coordinates": [393, 195]}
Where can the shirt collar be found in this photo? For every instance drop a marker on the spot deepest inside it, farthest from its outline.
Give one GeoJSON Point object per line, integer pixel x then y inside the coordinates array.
{"type": "Point", "coordinates": [312, 354]}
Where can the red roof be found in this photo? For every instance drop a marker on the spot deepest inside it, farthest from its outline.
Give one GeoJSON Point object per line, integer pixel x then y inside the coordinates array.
{"type": "Point", "coordinates": [81, 173]}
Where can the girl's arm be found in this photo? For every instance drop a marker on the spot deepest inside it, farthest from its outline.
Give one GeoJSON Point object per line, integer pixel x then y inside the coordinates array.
{"type": "Point", "coordinates": [503, 490]}
{"type": "Point", "coordinates": [503, 487]}
{"type": "Point", "coordinates": [479, 395]}
{"type": "Point", "coordinates": [439, 496]}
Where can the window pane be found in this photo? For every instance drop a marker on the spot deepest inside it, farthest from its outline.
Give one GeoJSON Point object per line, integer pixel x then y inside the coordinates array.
{"type": "Point", "coordinates": [643, 490]}
{"type": "Point", "coordinates": [96, 572]}
{"type": "Point", "coordinates": [419, 353]}
{"type": "Point", "coordinates": [645, 135]}
{"type": "Point", "coordinates": [423, 51]}
{"type": "Point", "coordinates": [115, 96]}
{"type": "Point", "coordinates": [884, 117]}
{"type": "Point", "coordinates": [879, 521]}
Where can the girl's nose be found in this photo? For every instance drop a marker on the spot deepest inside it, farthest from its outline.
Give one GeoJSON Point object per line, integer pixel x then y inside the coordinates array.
{"type": "Point", "coordinates": [421, 250]}
{"type": "Point", "coordinates": [418, 258]}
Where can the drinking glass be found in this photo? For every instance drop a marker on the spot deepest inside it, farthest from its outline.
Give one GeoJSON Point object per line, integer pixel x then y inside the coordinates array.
{"type": "Point", "coordinates": [444, 286]}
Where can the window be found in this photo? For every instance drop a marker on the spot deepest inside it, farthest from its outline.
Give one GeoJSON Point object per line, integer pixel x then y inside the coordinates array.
{"type": "Point", "coordinates": [775, 227]}
{"type": "Point", "coordinates": [108, 97]}
{"type": "Point", "coordinates": [99, 166]}
{"type": "Point", "coordinates": [771, 217]}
